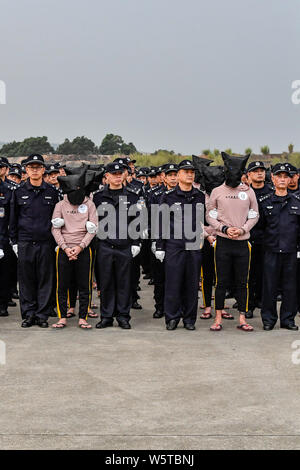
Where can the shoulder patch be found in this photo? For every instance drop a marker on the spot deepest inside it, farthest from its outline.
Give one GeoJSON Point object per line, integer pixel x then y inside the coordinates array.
{"type": "Point", "coordinates": [263, 198]}
{"type": "Point", "coordinates": [170, 191]}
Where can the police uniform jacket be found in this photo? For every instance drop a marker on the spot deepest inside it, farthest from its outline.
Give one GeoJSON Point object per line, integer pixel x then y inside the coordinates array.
{"type": "Point", "coordinates": [125, 199]}
{"type": "Point", "coordinates": [179, 199]}
{"type": "Point", "coordinates": [31, 213]}
{"type": "Point", "coordinates": [280, 219]}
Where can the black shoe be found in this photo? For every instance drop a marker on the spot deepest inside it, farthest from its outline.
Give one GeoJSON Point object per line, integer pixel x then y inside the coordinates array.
{"type": "Point", "coordinates": [151, 282]}
{"type": "Point", "coordinates": [53, 314]}
{"type": "Point", "coordinates": [189, 326]}
{"type": "Point", "coordinates": [3, 312]}
{"type": "Point", "coordinates": [268, 327]}
{"type": "Point", "coordinates": [136, 306]}
{"type": "Point", "coordinates": [172, 325]}
{"type": "Point", "coordinates": [105, 323]}
{"type": "Point", "coordinates": [290, 326]}
{"type": "Point", "coordinates": [124, 324]}
{"type": "Point", "coordinates": [147, 276]}
{"type": "Point", "coordinates": [11, 303]}
{"type": "Point", "coordinates": [15, 296]}
{"type": "Point", "coordinates": [138, 288]}
{"type": "Point", "coordinates": [249, 314]}
{"type": "Point", "coordinates": [158, 314]}
{"type": "Point", "coordinates": [42, 323]}
{"type": "Point", "coordinates": [28, 322]}
{"type": "Point", "coordinates": [235, 305]}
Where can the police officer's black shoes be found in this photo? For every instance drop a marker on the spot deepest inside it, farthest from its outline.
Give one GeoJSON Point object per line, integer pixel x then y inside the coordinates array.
{"type": "Point", "coordinates": [172, 325]}
{"type": "Point", "coordinates": [268, 327]}
{"type": "Point", "coordinates": [3, 312]}
{"type": "Point", "coordinates": [53, 313]}
{"type": "Point", "coordinates": [41, 323]}
{"type": "Point", "coordinates": [158, 314]}
{"type": "Point", "coordinates": [290, 326]}
{"type": "Point", "coordinates": [15, 296]}
{"type": "Point", "coordinates": [11, 303]}
{"type": "Point", "coordinates": [136, 306]}
{"type": "Point", "coordinates": [124, 324]}
{"type": "Point", "coordinates": [28, 322]}
{"type": "Point", "coordinates": [249, 314]}
{"type": "Point", "coordinates": [105, 323]}
{"type": "Point", "coordinates": [189, 326]}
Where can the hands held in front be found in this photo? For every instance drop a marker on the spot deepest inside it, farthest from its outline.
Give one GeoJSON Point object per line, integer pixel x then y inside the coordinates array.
{"type": "Point", "coordinates": [72, 253]}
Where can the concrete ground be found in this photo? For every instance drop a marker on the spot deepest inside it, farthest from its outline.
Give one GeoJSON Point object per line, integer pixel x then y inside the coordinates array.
{"type": "Point", "coordinates": [148, 388]}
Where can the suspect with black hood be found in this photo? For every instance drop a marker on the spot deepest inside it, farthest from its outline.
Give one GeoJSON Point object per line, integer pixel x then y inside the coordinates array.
{"type": "Point", "coordinates": [234, 168]}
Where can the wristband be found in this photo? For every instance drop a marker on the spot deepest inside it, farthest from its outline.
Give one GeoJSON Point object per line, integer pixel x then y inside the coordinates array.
{"type": "Point", "coordinates": [224, 229]}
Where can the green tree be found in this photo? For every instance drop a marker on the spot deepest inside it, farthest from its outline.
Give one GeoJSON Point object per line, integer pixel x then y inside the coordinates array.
{"type": "Point", "coordinates": [83, 146]}
{"type": "Point", "coordinates": [128, 149]}
{"type": "Point", "coordinates": [206, 152]}
{"type": "Point", "coordinates": [229, 151]}
{"type": "Point", "coordinates": [65, 148]}
{"type": "Point", "coordinates": [111, 144]}
{"type": "Point", "coordinates": [35, 145]}
{"type": "Point", "coordinates": [248, 150]}
{"type": "Point", "coordinates": [11, 149]}
{"type": "Point", "coordinates": [291, 148]}
{"type": "Point", "coordinates": [265, 150]}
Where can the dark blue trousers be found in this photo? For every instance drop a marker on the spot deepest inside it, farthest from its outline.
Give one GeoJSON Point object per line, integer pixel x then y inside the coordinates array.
{"type": "Point", "coordinates": [182, 274]}
{"type": "Point", "coordinates": [280, 270]}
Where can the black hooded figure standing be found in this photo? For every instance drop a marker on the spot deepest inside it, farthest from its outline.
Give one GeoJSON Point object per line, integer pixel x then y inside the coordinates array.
{"type": "Point", "coordinates": [232, 211]}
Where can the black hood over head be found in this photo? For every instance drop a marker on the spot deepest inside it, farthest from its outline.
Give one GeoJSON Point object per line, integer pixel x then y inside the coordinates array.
{"type": "Point", "coordinates": [75, 170]}
{"type": "Point", "coordinates": [93, 179]}
{"type": "Point", "coordinates": [74, 187]}
{"type": "Point", "coordinates": [234, 168]}
{"type": "Point", "coordinates": [199, 163]}
{"type": "Point", "coordinates": [213, 176]}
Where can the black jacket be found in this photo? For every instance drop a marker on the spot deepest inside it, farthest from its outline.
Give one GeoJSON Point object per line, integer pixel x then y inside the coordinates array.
{"type": "Point", "coordinates": [125, 199]}
{"type": "Point", "coordinates": [280, 220]}
{"type": "Point", "coordinates": [180, 200]}
{"type": "Point", "coordinates": [31, 213]}
{"type": "Point", "coordinates": [6, 193]}
{"type": "Point", "coordinates": [257, 233]}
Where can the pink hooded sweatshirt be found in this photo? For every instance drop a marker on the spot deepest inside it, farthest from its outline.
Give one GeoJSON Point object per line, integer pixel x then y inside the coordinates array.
{"type": "Point", "coordinates": [232, 207]}
{"type": "Point", "coordinates": [74, 232]}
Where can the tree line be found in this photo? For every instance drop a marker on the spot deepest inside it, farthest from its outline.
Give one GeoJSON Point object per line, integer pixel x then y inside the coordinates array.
{"type": "Point", "coordinates": [110, 145]}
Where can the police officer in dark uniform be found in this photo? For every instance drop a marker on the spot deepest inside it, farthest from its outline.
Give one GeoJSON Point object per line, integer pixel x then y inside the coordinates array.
{"type": "Point", "coordinates": [53, 172]}
{"type": "Point", "coordinates": [256, 173]}
{"type": "Point", "coordinates": [182, 261]}
{"type": "Point", "coordinates": [280, 218]}
{"type": "Point", "coordinates": [5, 248]}
{"type": "Point", "coordinates": [115, 253]}
{"type": "Point", "coordinates": [158, 268]}
{"type": "Point", "coordinates": [32, 206]}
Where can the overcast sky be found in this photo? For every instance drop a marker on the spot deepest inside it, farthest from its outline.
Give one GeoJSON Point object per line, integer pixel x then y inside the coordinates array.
{"type": "Point", "coordinates": [177, 74]}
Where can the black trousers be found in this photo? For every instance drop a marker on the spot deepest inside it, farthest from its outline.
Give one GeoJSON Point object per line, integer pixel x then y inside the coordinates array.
{"type": "Point", "coordinates": [145, 256]}
{"type": "Point", "coordinates": [114, 273]}
{"type": "Point", "coordinates": [35, 273]}
{"type": "Point", "coordinates": [232, 256]}
{"type": "Point", "coordinates": [159, 283]}
{"type": "Point", "coordinates": [82, 270]}
{"type": "Point", "coordinates": [182, 275]}
{"type": "Point", "coordinates": [256, 276]}
{"type": "Point", "coordinates": [207, 273]}
{"type": "Point", "coordinates": [279, 268]}
{"type": "Point", "coordinates": [12, 270]}
{"type": "Point", "coordinates": [5, 280]}
{"type": "Point", "coordinates": [135, 276]}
